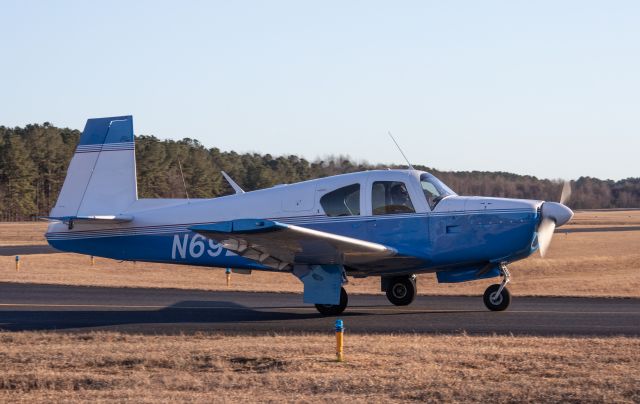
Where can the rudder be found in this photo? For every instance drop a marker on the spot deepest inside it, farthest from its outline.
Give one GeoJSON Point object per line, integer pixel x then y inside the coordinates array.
{"type": "Point", "coordinates": [101, 178]}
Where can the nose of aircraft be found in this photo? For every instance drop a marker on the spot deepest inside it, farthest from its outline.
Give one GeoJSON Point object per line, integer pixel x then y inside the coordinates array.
{"type": "Point", "coordinates": [557, 212]}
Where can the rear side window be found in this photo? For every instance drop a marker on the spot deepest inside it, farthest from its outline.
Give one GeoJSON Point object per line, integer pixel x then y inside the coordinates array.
{"type": "Point", "coordinates": [343, 201]}
{"type": "Point", "coordinates": [389, 197]}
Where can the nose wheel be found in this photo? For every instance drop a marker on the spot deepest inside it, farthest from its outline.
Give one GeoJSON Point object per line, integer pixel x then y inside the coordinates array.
{"type": "Point", "coordinates": [497, 297]}
{"type": "Point", "coordinates": [402, 290]}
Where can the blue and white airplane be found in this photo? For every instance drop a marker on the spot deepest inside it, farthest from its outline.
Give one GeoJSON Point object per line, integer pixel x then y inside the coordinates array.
{"type": "Point", "coordinates": [387, 223]}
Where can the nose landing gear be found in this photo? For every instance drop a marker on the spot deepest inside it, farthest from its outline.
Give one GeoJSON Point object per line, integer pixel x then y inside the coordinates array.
{"type": "Point", "coordinates": [497, 297]}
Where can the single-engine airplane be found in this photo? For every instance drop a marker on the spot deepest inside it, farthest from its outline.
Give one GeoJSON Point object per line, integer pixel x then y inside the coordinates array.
{"type": "Point", "coordinates": [388, 223]}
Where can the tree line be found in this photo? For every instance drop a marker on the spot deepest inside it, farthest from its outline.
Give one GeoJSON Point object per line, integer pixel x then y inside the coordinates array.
{"type": "Point", "coordinates": [34, 160]}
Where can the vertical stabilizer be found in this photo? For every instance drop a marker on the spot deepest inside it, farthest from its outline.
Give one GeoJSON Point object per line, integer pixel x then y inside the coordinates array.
{"type": "Point", "coordinates": [101, 178]}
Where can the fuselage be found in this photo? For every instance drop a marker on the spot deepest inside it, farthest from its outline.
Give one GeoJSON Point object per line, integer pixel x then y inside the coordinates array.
{"type": "Point", "coordinates": [446, 232]}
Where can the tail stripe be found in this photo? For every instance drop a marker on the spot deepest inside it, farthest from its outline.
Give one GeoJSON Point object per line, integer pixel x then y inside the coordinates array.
{"type": "Point", "coordinates": [105, 147]}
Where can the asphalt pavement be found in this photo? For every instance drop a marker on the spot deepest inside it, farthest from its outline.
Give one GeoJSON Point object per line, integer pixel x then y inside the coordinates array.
{"type": "Point", "coordinates": [10, 250]}
{"type": "Point", "coordinates": [175, 311]}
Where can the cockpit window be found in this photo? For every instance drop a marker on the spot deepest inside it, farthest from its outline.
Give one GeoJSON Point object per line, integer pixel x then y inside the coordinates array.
{"type": "Point", "coordinates": [343, 201]}
{"type": "Point", "coordinates": [389, 197]}
{"type": "Point", "coordinates": [434, 190]}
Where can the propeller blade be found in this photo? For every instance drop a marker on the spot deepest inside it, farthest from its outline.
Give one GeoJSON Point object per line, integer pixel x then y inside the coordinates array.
{"type": "Point", "coordinates": [553, 213]}
{"type": "Point", "coordinates": [566, 192]}
{"type": "Point", "coordinates": [545, 234]}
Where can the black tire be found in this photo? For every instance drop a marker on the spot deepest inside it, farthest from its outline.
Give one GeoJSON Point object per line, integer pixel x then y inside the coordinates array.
{"type": "Point", "coordinates": [402, 290]}
{"type": "Point", "coordinates": [334, 309]}
{"type": "Point", "coordinates": [497, 303]}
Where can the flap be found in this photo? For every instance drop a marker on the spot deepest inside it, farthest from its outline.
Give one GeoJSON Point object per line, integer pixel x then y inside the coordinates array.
{"type": "Point", "coordinates": [278, 245]}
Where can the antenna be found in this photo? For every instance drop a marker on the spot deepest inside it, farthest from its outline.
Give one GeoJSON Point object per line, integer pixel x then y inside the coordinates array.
{"type": "Point", "coordinates": [233, 184]}
{"type": "Point", "coordinates": [183, 181]}
{"type": "Point", "coordinates": [401, 152]}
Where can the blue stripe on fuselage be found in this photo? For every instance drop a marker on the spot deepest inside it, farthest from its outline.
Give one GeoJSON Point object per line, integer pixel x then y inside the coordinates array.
{"type": "Point", "coordinates": [440, 239]}
{"type": "Point", "coordinates": [187, 248]}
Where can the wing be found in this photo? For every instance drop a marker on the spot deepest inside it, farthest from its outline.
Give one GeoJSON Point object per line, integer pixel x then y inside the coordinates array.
{"type": "Point", "coordinates": [278, 245]}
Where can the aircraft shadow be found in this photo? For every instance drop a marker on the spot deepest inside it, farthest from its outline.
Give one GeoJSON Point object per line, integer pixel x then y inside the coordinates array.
{"type": "Point", "coordinates": [220, 315]}
{"type": "Point", "coordinates": [203, 312]}
{"type": "Point", "coordinates": [187, 317]}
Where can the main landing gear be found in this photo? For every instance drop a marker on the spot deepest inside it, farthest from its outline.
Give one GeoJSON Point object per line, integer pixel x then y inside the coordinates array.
{"type": "Point", "coordinates": [497, 297]}
{"type": "Point", "coordinates": [401, 290]}
{"type": "Point", "coordinates": [334, 309]}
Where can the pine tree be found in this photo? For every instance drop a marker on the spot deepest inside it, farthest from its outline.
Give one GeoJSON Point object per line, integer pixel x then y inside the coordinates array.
{"type": "Point", "coordinates": [18, 174]}
{"type": "Point", "coordinates": [34, 159]}
{"type": "Point", "coordinates": [152, 167]}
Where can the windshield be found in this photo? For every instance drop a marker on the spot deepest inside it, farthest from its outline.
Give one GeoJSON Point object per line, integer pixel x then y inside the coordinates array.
{"type": "Point", "coordinates": [434, 189]}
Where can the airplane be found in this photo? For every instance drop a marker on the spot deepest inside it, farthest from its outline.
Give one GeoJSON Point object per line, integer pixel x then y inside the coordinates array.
{"type": "Point", "coordinates": [392, 224]}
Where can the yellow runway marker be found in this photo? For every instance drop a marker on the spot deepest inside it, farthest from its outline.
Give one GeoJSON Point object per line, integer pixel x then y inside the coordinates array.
{"type": "Point", "coordinates": [339, 340]}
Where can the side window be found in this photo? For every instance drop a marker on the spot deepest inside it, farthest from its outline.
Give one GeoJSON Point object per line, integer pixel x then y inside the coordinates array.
{"type": "Point", "coordinates": [343, 201]}
{"type": "Point", "coordinates": [389, 197]}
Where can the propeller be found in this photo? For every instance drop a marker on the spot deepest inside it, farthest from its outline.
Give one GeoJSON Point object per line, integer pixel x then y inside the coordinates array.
{"type": "Point", "coordinates": [553, 214]}
{"type": "Point", "coordinates": [566, 193]}
{"type": "Point", "coordinates": [545, 234]}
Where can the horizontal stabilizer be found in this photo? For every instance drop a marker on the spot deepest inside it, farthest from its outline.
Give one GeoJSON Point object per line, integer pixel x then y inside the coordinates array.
{"type": "Point", "coordinates": [278, 245]}
{"type": "Point", "coordinates": [102, 219]}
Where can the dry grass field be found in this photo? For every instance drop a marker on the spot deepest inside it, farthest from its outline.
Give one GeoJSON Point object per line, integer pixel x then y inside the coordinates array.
{"type": "Point", "coordinates": [578, 264]}
{"type": "Point", "coordinates": [22, 233]}
{"type": "Point", "coordinates": [111, 366]}
{"type": "Point", "coordinates": [606, 218]}
{"type": "Point", "coordinates": [50, 367]}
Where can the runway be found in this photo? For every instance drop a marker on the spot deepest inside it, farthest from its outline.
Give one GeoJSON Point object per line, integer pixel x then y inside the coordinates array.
{"type": "Point", "coordinates": [174, 311]}
{"type": "Point", "coordinates": [11, 250]}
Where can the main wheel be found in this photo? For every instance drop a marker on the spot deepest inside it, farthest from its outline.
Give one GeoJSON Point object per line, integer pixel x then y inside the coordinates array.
{"type": "Point", "coordinates": [402, 290]}
{"type": "Point", "coordinates": [495, 302]}
{"type": "Point", "coordinates": [334, 309]}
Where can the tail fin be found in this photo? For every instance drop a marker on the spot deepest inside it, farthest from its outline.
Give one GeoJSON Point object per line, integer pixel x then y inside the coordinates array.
{"type": "Point", "coordinates": [101, 179]}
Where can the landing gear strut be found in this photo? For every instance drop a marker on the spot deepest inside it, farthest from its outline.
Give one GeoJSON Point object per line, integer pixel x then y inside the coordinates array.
{"type": "Point", "coordinates": [334, 309]}
{"type": "Point", "coordinates": [401, 290]}
{"type": "Point", "coordinates": [497, 297]}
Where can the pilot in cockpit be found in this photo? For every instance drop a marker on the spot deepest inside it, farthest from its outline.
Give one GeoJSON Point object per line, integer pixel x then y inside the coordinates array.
{"type": "Point", "coordinates": [400, 197]}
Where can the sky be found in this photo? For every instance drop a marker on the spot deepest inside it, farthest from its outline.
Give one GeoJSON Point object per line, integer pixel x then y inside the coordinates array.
{"type": "Point", "coordinates": [544, 88]}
